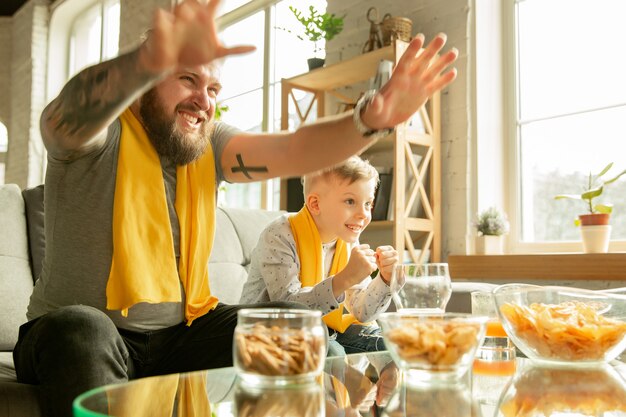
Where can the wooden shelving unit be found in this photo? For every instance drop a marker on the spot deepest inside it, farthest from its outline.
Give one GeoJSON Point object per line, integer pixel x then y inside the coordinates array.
{"type": "Point", "coordinates": [415, 221]}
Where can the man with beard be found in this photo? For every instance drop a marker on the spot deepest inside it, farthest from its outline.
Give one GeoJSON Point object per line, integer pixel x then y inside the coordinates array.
{"type": "Point", "coordinates": [134, 161]}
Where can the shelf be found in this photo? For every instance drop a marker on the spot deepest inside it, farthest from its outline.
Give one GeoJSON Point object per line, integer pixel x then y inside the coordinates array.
{"type": "Point", "coordinates": [549, 266]}
{"type": "Point", "coordinates": [416, 189]}
{"type": "Point", "coordinates": [414, 138]}
{"type": "Point", "coordinates": [355, 70]}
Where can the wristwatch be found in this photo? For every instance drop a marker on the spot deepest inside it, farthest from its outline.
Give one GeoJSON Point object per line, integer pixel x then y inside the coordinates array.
{"type": "Point", "coordinates": [369, 134]}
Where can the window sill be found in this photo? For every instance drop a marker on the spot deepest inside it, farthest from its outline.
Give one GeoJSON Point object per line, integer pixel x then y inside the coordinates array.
{"type": "Point", "coordinates": [551, 266]}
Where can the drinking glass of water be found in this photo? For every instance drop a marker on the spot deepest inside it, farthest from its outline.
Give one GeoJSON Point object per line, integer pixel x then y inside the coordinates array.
{"type": "Point", "coordinates": [421, 287]}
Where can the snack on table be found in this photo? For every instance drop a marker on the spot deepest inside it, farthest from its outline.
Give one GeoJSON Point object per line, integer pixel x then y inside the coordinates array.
{"type": "Point", "coordinates": [548, 392]}
{"type": "Point", "coordinates": [437, 342]}
{"type": "Point", "coordinates": [571, 330]}
{"type": "Point", "coordinates": [275, 351]}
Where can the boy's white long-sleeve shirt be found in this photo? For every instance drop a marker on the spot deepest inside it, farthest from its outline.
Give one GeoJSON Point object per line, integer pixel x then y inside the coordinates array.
{"type": "Point", "coordinates": [274, 276]}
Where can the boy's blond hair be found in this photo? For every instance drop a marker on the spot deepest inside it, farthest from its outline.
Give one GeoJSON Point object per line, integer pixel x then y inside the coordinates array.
{"type": "Point", "coordinates": [352, 169]}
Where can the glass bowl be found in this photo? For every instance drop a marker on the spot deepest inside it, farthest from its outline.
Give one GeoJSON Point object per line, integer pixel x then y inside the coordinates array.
{"type": "Point", "coordinates": [540, 390]}
{"type": "Point", "coordinates": [432, 346]}
{"type": "Point", "coordinates": [279, 346]}
{"type": "Point", "coordinates": [561, 325]}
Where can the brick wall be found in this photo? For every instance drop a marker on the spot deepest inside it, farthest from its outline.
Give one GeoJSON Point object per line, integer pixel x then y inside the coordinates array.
{"type": "Point", "coordinates": [429, 17]}
{"type": "Point", "coordinates": [6, 28]}
{"type": "Point", "coordinates": [27, 57]}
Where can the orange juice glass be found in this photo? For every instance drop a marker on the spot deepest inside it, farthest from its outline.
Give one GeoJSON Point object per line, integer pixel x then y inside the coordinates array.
{"type": "Point", "coordinates": [496, 356]}
{"type": "Point", "coordinates": [495, 329]}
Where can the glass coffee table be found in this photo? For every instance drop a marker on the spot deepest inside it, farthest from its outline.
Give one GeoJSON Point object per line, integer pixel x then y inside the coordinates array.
{"type": "Point", "coordinates": [368, 385]}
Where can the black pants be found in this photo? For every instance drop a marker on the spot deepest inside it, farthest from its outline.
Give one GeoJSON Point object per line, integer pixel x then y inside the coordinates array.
{"type": "Point", "coordinates": [77, 348]}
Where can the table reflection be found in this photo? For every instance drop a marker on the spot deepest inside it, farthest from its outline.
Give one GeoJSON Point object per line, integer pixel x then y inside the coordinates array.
{"type": "Point", "coordinates": [368, 385]}
{"type": "Point", "coordinates": [546, 391]}
{"type": "Point", "coordinates": [449, 400]}
{"type": "Point", "coordinates": [303, 401]}
{"type": "Point", "coordinates": [359, 385]}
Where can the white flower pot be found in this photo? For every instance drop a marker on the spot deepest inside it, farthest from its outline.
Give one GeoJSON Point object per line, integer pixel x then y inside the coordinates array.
{"type": "Point", "coordinates": [489, 245]}
{"type": "Point", "coordinates": [595, 238]}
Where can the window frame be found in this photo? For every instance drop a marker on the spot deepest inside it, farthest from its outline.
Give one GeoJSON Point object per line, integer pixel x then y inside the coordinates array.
{"type": "Point", "coordinates": [231, 18]}
{"type": "Point", "coordinates": [64, 15]}
{"type": "Point", "coordinates": [512, 127]}
{"type": "Point", "coordinates": [269, 189]}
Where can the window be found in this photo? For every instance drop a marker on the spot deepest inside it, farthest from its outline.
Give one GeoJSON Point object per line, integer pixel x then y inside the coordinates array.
{"type": "Point", "coordinates": [81, 33]}
{"type": "Point", "coordinates": [4, 144]}
{"type": "Point", "coordinates": [252, 83]}
{"type": "Point", "coordinates": [570, 108]}
{"type": "Point", "coordinates": [94, 35]}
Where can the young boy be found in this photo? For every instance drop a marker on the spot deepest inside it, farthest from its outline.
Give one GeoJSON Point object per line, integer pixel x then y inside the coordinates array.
{"type": "Point", "coordinates": [314, 257]}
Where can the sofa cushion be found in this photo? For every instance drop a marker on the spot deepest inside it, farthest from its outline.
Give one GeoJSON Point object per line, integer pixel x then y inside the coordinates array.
{"type": "Point", "coordinates": [249, 224]}
{"type": "Point", "coordinates": [33, 198]}
{"type": "Point", "coordinates": [16, 282]}
{"type": "Point", "coordinates": [7, 369]}
{"type": "Point", "coordinates": [226, 280]}
{"type": "Point", "coordinates": [236, 234]}
{"type": "Point", "coordinates": [226, 246]}
{"type": "Point", "coordinates": [15, 399]}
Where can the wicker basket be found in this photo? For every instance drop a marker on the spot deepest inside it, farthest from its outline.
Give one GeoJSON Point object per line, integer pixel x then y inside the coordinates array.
{"type": "Point", "coordinates": [396, 28]}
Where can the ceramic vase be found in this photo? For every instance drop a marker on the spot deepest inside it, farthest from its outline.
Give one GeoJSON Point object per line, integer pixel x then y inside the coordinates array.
{"type": "Point", "coordinates": [596, 238]}
{"type": "Point", "coordinates": [489, 245]}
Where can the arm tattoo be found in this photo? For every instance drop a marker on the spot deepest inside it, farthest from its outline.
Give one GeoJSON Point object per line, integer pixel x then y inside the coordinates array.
{"type": "Point", "coordinates": [91, 100]}
{"type": "Point", "coordinates": [245, 170]}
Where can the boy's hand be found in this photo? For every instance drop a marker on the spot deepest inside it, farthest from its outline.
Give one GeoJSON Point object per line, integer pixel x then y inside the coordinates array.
{"type": "Point", "coordinates": [362, 263]}
{"type": "Point", "coordinates": [386, 259]}
{"type": "Point", "coordinates": [387, 383]}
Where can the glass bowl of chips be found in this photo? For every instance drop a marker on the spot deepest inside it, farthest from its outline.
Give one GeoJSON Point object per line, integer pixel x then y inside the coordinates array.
{"type": "Point", "coordinates": [562, 325]}
{"type": "Point", "coordinates": [434, 346]}
{"type": "Point", "coordinates": [278, 347]}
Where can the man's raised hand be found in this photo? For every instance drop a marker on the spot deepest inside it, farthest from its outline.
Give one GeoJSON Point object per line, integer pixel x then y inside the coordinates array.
{"type": "Point", "coordinates": [417, 76]}
{"type": "Point", "coordinates": [186, 36]}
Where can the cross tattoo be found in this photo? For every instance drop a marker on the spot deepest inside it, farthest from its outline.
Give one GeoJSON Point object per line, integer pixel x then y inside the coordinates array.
{"type": "Point", "coordinates": [244, 170]}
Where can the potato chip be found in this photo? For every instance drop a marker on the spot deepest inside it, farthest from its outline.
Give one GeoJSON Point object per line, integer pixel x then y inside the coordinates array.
{"type": "Point", "coordinates": [436, 342]}
{"type": "Point", "coordinates": [571, 330]}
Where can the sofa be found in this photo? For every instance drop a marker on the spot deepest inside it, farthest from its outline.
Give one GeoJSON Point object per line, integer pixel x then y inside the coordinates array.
{"type": "Point", "coordinates": [21, 252]}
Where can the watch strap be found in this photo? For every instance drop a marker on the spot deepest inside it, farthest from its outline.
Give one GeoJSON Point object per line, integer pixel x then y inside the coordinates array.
{"type": "Point", "coordinates": [366, 132]}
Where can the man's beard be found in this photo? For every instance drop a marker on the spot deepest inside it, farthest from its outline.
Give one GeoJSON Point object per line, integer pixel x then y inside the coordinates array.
{"type": "Point", "coordinates": [179, 147]}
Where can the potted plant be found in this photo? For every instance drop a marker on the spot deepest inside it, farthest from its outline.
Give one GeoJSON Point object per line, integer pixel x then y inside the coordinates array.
{"type": "Point", "coordinates": [595, 228]}
{"type": "Point", "coordinates": [491, 225]}
{"type": "Point", "coordinates": [317, 26]}
{"type": "Point", "coordinates": [220, 109]}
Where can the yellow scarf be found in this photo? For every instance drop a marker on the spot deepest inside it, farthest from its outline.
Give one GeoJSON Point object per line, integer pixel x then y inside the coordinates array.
{"type": "Point", "coordinates": [309, 247]}
{"type": "Point", "coordinates": [156, 397]}
{"type": "Point", "coordinates": [143, 268]}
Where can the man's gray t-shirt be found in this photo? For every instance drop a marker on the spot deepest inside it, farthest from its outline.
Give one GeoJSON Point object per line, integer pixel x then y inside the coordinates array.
{"type": "Point", "coordinates": [78, 227]}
